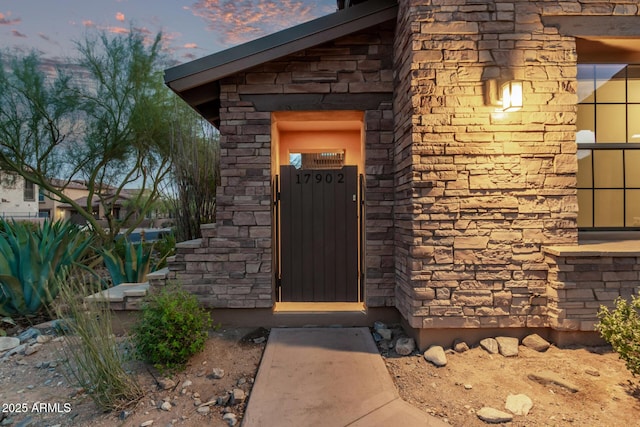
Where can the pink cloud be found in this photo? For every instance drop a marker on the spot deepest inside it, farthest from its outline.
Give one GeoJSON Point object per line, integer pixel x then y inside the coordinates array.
{"type": "Point", "coordinates": [88, 23]}
{"type": "Point", "coordinates": [5, 20]}
{"type": "Point", "coordinates": [190, 46]}
{"type": "Point", "coordinates": [17, 33]}
{"type": "Point", "coordinates": [120, 16]}
{"type": "Point", "coordinates": [240, 21]}
{"type": "Point", "coordinates": [116, 30]}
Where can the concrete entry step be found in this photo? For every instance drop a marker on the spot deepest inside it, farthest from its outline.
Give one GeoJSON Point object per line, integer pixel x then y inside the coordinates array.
{"type": "Point", "coordinates": [327, 377]}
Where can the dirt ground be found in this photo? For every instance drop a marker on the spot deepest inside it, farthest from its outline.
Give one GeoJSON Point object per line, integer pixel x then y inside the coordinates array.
{"type": "Point", "coordinates": [454, 393]}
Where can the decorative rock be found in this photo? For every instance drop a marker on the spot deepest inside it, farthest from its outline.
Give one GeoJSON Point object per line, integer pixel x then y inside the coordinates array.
{"type": "Point", "coordinates": [8, 343]}
{"type": "Point", "coordinates": [379, 325]}
{"type": "Point", "coordinates": [217, 373]}
{"type": "Point", "coordinates": [146, 423]}
{"type": "Point", "coordinates": [259, 340]}
{"type": "Point", "coordinates": [166, 383]}
{"type": "Point", "coordinates": [32, 349]}
{"type": "Point", "coordinates": [592, 372]}
{"type": "Point", "coordinates": [435, 354]}
{"type": "Point", "coordinates": [508, 346]}
{"type": "Point", "coordinates": [386, 334]}
{"type": "Point", "coordinates": [547, 377]}
{"type": "Point", "coordinates": [377, 337]}
{"type": "Point", "coordinates": [28, 334]}
{"type": "Point", "coordinates": [405, 346]}
{"type": "Point", "coordinates": [203, 410]}
{"type": "Point", "coordinates": [230, 418]}
{"type": "Point", "coordinates": [493, 416]}
{"type": "Point", "coordinates": [43, 339]}
{"type": "Point", "coordinates": [536, 342]}
{"type": "Point", "coordinates": [519, 404]}
{"type": "Point", "coordinates": [166, 406]}
{"type": "Point", "coordinates": [490, 345]}
{"type": "Point", "coordinates": [460, 346]}
{"type": "Point", "coordinates": [237, 396]}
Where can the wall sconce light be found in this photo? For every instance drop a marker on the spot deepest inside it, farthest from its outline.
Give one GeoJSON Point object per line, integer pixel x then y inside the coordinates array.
{"type": "Point", "coordinates": [506, 95]}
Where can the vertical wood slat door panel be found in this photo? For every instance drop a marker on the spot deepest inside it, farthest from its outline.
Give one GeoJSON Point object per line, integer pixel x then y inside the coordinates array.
{"type": "Point", "coordinates": [319, 234]}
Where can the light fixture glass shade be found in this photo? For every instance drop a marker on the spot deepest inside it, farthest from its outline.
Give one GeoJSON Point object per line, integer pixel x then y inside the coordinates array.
{"type": "Point", "coordinates": [512, 95]}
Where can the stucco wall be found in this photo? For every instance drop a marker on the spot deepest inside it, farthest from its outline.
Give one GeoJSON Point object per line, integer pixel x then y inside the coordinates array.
{"type": "Point", "coordinates": [12, 203]}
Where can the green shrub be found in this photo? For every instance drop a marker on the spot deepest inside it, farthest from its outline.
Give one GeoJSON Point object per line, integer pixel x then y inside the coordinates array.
{"type": "Point", "coordinates": [621, 329]}
{"type": "Point", "coordinates": [172, 328]}
{"type": "Point", "coordinates": [31, 258]}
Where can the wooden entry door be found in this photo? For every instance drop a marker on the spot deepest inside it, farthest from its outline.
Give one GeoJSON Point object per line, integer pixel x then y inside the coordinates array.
{"type": "Point", "coordinates": [318, 212]}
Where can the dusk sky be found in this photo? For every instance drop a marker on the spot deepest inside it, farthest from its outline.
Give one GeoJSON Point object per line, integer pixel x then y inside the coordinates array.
{"type": "Point", "coordinates": [191, 29]}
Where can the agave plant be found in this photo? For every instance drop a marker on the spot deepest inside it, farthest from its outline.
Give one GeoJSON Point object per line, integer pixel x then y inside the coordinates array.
{"type": "Point", "coordinates": [132, 267]}
{"type": "Point", "coordinates": [31, 258]}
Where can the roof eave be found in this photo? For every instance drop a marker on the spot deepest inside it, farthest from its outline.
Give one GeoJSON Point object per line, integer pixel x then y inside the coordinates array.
{"type": "Point", "coordinates": [228, 62]}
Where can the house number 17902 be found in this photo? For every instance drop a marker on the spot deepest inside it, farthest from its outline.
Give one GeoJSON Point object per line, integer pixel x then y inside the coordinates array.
{"type": "Point", "coordinates": [305, 178]}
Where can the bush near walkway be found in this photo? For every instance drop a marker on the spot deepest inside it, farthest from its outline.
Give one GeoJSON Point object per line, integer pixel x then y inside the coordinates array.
{"type": "Point", "coordinates": [621, 329]}
{"type": "Point", "coordinates": [172, 328]}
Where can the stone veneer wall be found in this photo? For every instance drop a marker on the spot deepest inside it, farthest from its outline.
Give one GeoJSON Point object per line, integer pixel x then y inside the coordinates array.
{"type": "Point", "coordinates": [580, 284]}
{"type": "Point", "coordinates": [231, 266]}
{"type": "Point", "coordinates": [479, 192]}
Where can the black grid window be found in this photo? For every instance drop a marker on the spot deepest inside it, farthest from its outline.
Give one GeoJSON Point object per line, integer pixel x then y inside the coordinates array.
{"type": "Point", "coordinates": [608, 136]}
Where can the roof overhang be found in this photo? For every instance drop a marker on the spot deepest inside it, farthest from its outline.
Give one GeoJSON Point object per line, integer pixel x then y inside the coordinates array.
{"type": "Point", "coordinates": [197, 81]}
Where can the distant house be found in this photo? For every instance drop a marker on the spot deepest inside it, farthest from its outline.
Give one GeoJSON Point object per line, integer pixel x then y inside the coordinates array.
{"type": "Point", "coordinates": [471, 165]}
{"type": "Point", "coordinates": [79, 193]}
{"type": "Point", "coordinates": [18, 198]}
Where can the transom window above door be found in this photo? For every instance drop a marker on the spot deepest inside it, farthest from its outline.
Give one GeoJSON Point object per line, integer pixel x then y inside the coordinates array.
{"type": "Point", "coordinates": [608, 137]}
{"type": "Point", "coordinates": [322, 160]}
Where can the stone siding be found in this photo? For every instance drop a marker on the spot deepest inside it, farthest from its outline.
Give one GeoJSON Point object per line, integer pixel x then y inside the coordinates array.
{"type": "Point", "coordinates": [579, 285]}
{"type": "Point", "coordinates": [460, 197]}
{"type": "Point", "coordinates": [478, 191]}
{"type": "Point", "coordinates": [232, 264]}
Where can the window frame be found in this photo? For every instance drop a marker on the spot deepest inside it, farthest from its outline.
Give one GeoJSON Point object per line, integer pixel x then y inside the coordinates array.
{"type": "Point", "coordinates": [623, 147]}
{"type": "Point", "coordinates": [29, 191]}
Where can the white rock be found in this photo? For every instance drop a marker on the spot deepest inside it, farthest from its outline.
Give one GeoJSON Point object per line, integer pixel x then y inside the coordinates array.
{"type": "Point", "coordinates": [186, 383]}
{"type": "Point", "coordinates": [237, 396]}
{"type": "Point", "coordinates": [508, 346]}
{"type": "Point", "coordinates": [386, 334]}
{"type": "Point", "coordinates": [166, 383]}
{"type": "Point", "coordinates": [405, 346]}
{"type": "Point", "coordinates": [230, 418]}
{"type": "Point", "coordinates": [536, 342]}
{"type": "Point", "coordinates": [203, 410]}
{"type": "Point", "coordinates": [494, 416]}
{"type": "Point", "coordinates": [519, 404]}
{"type": "Point", "coordinates": [217, 373]}
{"type": "Point", "coordinates": [435, 354]}
{"type": "Point", "coordinates": [166, 406]}
{"type": "Point", "coordinates": [42, 339]}
{"type": "Point", "coordinates": [32, 349]}
{"type": "Point", "coordinates": [490, 345]}
{"type": "Point", "coordinates": [7, 343]}
{"type": "Point", "coordinates": [146, 423]}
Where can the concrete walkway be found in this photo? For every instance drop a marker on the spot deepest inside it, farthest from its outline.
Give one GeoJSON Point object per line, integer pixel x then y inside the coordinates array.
{"type": "Point", "coordinates": [327, 377]}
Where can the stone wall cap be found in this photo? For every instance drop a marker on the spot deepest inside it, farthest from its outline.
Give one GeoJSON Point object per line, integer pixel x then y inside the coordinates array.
{"type": "Point", "coordinates": [616, 248]}
{"type": "Point", "coordinates": [194, 244]}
